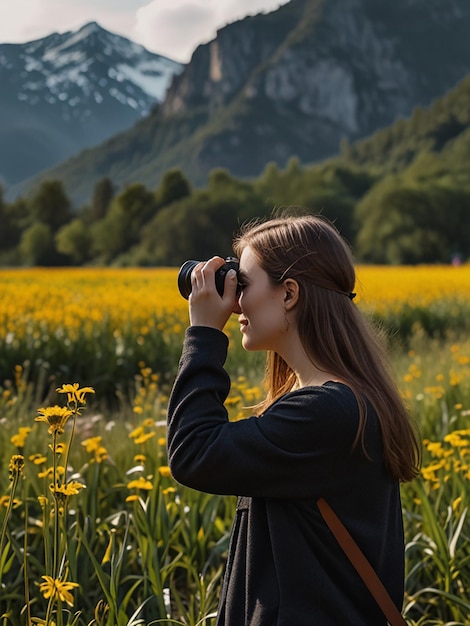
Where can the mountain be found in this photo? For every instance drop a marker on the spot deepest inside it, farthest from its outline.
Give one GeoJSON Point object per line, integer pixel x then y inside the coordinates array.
{"type": "Point", "coordinates": [297, 81]}
{"type": "Point", "coordinates": [69, 91]}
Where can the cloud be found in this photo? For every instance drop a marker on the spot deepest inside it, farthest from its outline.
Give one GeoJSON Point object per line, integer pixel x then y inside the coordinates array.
{"type": "Point", "coordinates": [21, 15]}
{"type": "Point", "coordinates": [25, 20]}
{"type": "Point", "coordinates": [176, 28]}
{"type": "Point", "coordinates": [171, 27]}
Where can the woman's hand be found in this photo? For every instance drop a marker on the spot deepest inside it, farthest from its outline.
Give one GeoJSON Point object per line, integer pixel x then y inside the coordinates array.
{"type": "Point", "coordinates": [206, 306]}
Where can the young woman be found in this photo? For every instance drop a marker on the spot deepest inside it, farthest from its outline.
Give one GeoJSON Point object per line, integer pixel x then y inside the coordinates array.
{"type": "Point", "coordinates": [333, 425]}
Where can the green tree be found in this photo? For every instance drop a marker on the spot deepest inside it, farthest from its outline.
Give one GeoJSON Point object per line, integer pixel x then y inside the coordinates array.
{"type": "Point", "coordinates": [37, 245]}
{"type": "Point", "coordinates": [5, 222]}
{"type": "Point", "coordinates": [174, 186]}
{"type": "Point", "coordinates": [183, 230]}
{"type": "Point", "coordinates": [75, 241]}
{"type": "Point", "coordinates": [121, 228]}
{"type": "Point", "coordinates": [103, 194]}
{"type": "Point", "coordinates": [50, 205]}
{"type": "Point", "coordinates": [404, 225]}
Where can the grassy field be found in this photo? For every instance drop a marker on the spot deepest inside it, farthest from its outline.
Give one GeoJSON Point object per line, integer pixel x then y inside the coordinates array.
{"type": "Point", "coordinates": [94, 531]}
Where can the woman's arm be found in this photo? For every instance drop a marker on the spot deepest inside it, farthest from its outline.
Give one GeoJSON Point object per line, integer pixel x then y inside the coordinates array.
{"type": "Point", "coordinates": [298, 448]}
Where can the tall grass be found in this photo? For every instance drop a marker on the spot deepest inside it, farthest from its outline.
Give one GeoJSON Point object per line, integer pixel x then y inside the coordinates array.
{"type": "Point", "coordinates": [94, 530]}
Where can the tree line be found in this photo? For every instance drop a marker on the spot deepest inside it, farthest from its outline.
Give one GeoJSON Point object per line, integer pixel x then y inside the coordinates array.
{"type": "Point", "coordinates": [397, 218]}
{"type": "Point", "coordinates": [401, 196]}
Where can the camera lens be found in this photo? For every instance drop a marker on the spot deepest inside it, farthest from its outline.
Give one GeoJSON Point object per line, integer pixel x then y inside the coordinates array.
{"type": "Point", "coordinates": [184, 278]}
{"type": "Point", "coordinates": [184, 275]}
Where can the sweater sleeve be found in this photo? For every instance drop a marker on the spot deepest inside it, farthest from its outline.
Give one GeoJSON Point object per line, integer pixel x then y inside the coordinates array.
{"type": "Point", "coordinates": [299, 448]}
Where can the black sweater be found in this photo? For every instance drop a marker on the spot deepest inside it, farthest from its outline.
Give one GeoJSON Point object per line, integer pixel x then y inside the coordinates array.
{"type": "Point", "coordinates": [285, 567]}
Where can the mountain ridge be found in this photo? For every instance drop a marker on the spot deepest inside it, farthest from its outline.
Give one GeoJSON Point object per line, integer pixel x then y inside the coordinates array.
{"type": "Point", "coordinates": [68, 91]}
{"type": "Point", "coordinates": [305, 77]}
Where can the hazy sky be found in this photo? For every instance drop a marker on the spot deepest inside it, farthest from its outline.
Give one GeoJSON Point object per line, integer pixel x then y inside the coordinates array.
{"type": "Point", "coordinates": [170, 27]}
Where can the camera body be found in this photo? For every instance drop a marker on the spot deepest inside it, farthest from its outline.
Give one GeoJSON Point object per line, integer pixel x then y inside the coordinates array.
{"type": "Point", "coordinates": [184, 275]}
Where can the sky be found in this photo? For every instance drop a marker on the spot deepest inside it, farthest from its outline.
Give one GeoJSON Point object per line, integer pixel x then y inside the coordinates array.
{"type": "Point", "coordinates": [172, 28]}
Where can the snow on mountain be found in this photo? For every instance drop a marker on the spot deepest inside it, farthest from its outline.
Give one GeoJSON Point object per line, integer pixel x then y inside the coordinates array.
{"type": "Point", "coordinates": [69, 91]}
{"type": "Point", "coordinates": [94, 61]}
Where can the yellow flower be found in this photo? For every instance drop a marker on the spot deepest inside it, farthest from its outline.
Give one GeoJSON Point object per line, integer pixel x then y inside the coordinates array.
{"type": "Point", "coordinates": [233, 401]}
{"type": "Point", "coordinates": [74, 393]}
{"type": "Point", "coordinates": [140, 483]}
{"type": "Point", "coordinates": [143, 438]}
{"type": "Point", "coordinates": [137, 432]}
{"type": "Point", "coordinates": [437, 391]}
{"type": "Point", "coordinates": [37, 459]}
{"type": "Point", "coordinates": [19, 439]}
{"type": "Point", "coordinates": [132, 498]}
{"type": "Point", "coordinates": [435, 448]}
{"type": "Point", "coordinates": [140, 458]}
{"type": "Point", "coordinates": [69, 489]}
{"type": "Point", "coordinates": [101, 454]}
{"type": "Point", "coordinates": [92, 443]}
{"type": "Point", "coordinates": [55, 416]}
{"type": "Point", "coordinates": [49, 472]}
{"type": "Point", "coordinates": [164, 471]}
{"type": "Point", "coordinates": [455, 440]}
{"type": "Point", "coordinates": [16, 466]}
{"type": "Point", "coordinates": [5, 501]}
{"type": "Point", "coordinates": [57, 589]}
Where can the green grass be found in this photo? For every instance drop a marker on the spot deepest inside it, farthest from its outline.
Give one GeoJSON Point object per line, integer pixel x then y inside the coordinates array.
{"type": "Point", "coordinates": [155, 554]}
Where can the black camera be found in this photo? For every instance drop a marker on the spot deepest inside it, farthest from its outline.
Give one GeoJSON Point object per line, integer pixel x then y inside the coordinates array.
{"type": "Point", "coordinates": [184, 275]}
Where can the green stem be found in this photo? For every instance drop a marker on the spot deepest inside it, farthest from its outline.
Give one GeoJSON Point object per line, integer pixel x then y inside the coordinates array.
{"type": "Point", "coordinates": [67, 454]}
{"type": "Point", "coordinates": [50, 606]}
{"type": "Point", "coordinates": [25, 559]}
{"type": "Point", "coordinates": [14, 485]}
{"type": "Point", "coordinates": [55, 547]}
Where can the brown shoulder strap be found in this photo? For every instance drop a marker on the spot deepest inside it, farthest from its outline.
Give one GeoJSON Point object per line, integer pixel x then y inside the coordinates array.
{"type": "Point", "coordinates": [362, 565]}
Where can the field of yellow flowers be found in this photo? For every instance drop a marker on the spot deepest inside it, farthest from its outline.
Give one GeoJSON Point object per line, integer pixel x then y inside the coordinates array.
{"type": "Point", "coordinates": [94, 530]}
{"type": "Point", "coordinates": [99, 324]}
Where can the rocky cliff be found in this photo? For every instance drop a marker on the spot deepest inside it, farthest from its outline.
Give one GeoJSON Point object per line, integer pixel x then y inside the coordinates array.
{"type": "Point", "coordinates": [296, 81]}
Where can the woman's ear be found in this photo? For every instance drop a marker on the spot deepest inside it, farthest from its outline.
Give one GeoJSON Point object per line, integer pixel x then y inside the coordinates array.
{"type": "Point", "coordinates": [291, 293]}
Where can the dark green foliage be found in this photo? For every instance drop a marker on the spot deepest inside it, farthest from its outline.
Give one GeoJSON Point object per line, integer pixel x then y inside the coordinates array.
{"type": "Point", "coordinates": [427, 130]}
{"type": "Point", "coordinates": [37, 244]}
{"type": "Point", "coordinates": [50, 205]}
{"type": "Point", "coordinates": [417, 212]}
{"type": "Point", "coordinates": [198, 227]}
{"type": "Point", "coordinates": [402, 196]}
{"type": "Point", "coordinates": [102, 197]}
{"type": "Point", "coordinates": [120, 229]}
{"type": "Point", "coordinates": [75, 241]}
{"type": "Point", "coordinates": [174, 186]}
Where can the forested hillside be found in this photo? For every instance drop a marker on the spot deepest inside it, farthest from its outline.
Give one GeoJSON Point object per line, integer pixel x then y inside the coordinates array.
{"type": "Point", "coordinates": [293, 82]}
{"type": "Point", "coordinates": [418, 209]}
{"type": "Point", "coordinates": [401, 196]}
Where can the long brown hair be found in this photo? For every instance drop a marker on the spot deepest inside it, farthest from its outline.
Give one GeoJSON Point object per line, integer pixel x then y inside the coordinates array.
{"type": "Point", "coordinates": [337, 337]}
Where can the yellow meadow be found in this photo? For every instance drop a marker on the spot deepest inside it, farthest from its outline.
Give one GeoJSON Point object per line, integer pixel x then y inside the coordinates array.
{"type": "Point", "coordinates": [122, 329]}
{"type": "Point", "coordinates": [388, 287]}
{"type": "Point", "coordinates": [106, 322]}
{"type": "Point", "coordinates": [40, 300]}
